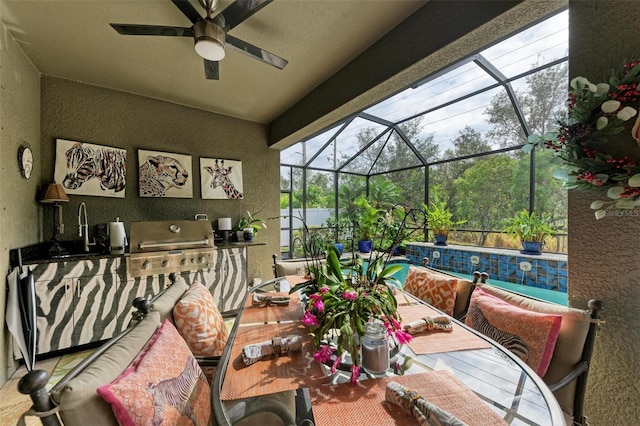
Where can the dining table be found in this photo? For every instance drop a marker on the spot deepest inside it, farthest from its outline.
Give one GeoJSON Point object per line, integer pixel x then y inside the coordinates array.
{"type": "Point", "coordinates": [460, 371]}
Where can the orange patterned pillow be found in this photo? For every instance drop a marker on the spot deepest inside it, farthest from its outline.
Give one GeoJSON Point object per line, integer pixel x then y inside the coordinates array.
{"type": "Point", "coordinates": [199, 322]}
{"type": "Point", "coordinates": [529, 335]}
{"type": "Point", "coordinates": [163, 386]}
{"type": "Point", "coordinates": [437, 290]}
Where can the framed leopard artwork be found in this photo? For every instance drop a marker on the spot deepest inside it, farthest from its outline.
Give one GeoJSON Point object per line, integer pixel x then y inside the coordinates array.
{"type": "Point", "coordinates": [221, 179]}
{"type": "Point", "coordinates": [164, 175]}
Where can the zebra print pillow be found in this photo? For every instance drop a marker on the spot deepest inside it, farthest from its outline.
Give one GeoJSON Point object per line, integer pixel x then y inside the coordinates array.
{"type": "Point", "coordinates": [163, 386]}
{"type": "Point", "coordinates": [529, 335]}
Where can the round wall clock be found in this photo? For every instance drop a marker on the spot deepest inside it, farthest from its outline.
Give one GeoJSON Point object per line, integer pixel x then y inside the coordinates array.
{"type": "Point", "coordinates": [25, 161]}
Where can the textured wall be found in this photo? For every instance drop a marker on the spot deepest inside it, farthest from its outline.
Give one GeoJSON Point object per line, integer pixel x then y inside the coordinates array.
{"type": "Point", "coordinates": [604, 255]}
{"type": "Point", "coordinates": [19, 123]}
{"type": "Point", "coordinates": [80, 112]}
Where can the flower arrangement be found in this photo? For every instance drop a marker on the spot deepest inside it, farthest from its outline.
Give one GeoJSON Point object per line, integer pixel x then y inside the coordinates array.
{"type": "Point", "coordinates": [345, 295]}
{"type": "Point", "coordinates": [596, 112]}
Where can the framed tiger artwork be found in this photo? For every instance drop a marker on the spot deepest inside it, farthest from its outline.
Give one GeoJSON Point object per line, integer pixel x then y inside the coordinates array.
{"type": "Point", "coordinates": [88, 169]}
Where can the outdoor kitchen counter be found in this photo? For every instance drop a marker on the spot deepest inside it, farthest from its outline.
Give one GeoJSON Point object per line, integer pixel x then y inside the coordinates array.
{"type": "Point", "coordinates": [87, 298]}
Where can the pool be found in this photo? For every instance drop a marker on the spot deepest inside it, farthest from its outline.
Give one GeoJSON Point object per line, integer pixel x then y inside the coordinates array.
{"type": "Point", "coordinates": [539, 293]}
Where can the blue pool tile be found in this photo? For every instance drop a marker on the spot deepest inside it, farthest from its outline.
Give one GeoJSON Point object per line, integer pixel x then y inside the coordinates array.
{"type": "Point", "coordinates": [562, 285]}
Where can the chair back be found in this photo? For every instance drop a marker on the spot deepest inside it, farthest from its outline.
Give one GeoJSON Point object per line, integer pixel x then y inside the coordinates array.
{"type": "Point", "coordinates": [568, 368]}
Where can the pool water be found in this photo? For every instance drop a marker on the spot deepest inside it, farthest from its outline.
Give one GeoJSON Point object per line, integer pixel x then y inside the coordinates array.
{"type": "Point", "coordinates": [539, 293]}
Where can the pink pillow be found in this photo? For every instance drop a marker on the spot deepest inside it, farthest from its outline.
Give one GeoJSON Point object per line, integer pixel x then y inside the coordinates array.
{"type": "Point", "coordinates": [150, 390]}
{"type": "Point", "coordinates": [437, 290]}
{"type": "Point", "coordinates": [530, 335]}
{"type": "Point", "coordinates": [199, 322]}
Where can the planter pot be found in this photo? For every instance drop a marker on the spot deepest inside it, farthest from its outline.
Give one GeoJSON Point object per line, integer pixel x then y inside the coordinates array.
{"type": "Point", "coordinates": [339, 247]}
{"type": "Point", "coordinates": [441, 240]}
{"type": "Point", "coordinates": [365, 246]}
{"type": "Point", "coordinates": [248, 234]}
{"type": "Point", "coordinates": [531, 247]}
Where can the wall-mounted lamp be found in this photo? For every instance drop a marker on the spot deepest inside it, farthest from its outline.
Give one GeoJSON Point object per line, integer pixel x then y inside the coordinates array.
{"type": "Point", "coordinates": [55, 195]}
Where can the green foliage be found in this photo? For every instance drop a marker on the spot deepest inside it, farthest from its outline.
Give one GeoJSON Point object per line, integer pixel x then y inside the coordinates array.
{"type": "Point", "coordinates": [340, 227]}
{"type": "Point", "coordinates": [485, 192]}
{"type": "Point", "coordinates": [367, 218]}
{"type": "Point", "coordinates": [249, 221]}
{"type": "Point", "coordinates": [440, 218]}
{"type": "Point", "coordinates": [529, 226]}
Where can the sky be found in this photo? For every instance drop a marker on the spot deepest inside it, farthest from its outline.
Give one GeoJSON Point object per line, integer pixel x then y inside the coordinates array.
{"type": "Point", "coordinates": [539, 45]}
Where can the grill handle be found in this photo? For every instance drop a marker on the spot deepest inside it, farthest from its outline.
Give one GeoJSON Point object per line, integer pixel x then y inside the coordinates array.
{"type": "Point", "coordinates": [143, 246]}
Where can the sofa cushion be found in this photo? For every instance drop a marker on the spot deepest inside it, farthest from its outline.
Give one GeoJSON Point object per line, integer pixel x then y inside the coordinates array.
{"type": "Point", "coordinates": [164, 385]}
{"type": "Point", "coordinates": [164, 301]}
{"type": "Point", "coordinates": [291, 267]}
{"type": "Point", "coordinates": [570, 343]}
{"type": "Point", "coordinates": [199, 322]}
{"type": "Point", "coordinates": [79, 403]}
{"type": "Point", "coordinates": [438, 290]}
{"type": "Point", "coordinates": [530, 335]}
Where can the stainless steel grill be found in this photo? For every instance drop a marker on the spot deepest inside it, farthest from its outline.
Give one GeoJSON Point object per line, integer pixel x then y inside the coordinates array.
{"type": "Point", "coordinates": [162, 247]}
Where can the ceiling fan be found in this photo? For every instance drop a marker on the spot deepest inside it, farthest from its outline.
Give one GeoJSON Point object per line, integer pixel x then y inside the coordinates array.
{"type": "Point", "coordinates": [210, 34]}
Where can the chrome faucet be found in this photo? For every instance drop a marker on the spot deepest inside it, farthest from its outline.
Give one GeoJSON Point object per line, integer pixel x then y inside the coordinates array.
{"type": "Point", "coordinates": [83, 227]}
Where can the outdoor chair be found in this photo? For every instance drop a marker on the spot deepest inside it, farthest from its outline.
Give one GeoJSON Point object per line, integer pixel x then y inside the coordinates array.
{"type": "Point", "coordinates": [568, 367]}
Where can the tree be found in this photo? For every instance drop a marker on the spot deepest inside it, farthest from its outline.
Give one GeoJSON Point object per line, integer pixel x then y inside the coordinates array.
{"type": "Point", "coordinates": [542, 102]}
{"type": "Point", "coordinates": [468, 142]}
{"type": "Point", "coordinates": [484, 193]}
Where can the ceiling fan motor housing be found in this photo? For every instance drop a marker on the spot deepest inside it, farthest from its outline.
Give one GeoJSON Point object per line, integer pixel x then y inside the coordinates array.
{"type": "Point", "coordinates": [207, 32]}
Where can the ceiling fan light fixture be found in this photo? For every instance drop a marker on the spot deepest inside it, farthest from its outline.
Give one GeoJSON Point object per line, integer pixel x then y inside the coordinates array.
{"type": "Point", "coordinates": [209, 39]}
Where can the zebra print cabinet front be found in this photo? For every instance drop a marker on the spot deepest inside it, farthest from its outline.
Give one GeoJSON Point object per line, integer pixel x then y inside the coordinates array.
{"type": "Point", "coordinates": [80, 302]}
{"type": "Point", "coordinates": [76, 302]}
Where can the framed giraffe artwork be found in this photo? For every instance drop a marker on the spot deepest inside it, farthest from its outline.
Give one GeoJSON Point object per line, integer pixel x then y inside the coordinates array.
{"type": "Point", "coordinates": [221, 179]}
{"type": "Point", "coordinates": [164, 175]}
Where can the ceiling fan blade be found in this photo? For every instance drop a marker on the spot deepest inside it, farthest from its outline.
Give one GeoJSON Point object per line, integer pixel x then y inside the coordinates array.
{"type": "Point", "coordinates": [240, 10]}
{"type": "Point", "coordinates": [188, 10]}
{"type": "Point", "coordinates": [255, 52]}
{"type": "Point", "coordinates": [211, 70]}
{"type": "Point", "coordinates": [152, 30]}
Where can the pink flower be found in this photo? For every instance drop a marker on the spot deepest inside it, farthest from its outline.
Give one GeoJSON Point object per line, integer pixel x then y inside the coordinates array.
{"type": "Point", "coordinates": [319, 305]}
{"type": "Point", "coordinates": [350, 295]}
{"type": "Point", "coordinates": [324, 289]}
{"type": "Point", "coordinates": [392, 324]}
{"type": "Point", "coordinates": [355, 373]}
{"type": "Point", "coordinates": [323, 354]}
{"type": "Point", "coordinates": [336, 364]}
{"type": "Point", "coordinates": [309, 319]}
{"type": "Point", "coordinates": [403, 337]}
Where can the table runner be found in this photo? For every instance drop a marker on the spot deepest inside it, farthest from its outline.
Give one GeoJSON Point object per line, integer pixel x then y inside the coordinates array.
{"type": "Point", "coordinates": [430, 342]}
{"type": "Point", "coordinates": [347, 405]}
{"type": "Point", "coordinates": [270, 314]}
{"type": "Point", "coordinates": [273, 374]}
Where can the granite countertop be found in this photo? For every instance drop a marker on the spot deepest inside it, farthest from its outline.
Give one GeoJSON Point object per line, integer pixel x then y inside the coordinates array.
{"type": "Point", "coordinates": [72, 252]}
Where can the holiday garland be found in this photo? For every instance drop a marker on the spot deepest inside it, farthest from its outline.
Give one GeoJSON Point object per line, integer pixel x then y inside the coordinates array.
{"type": "Point", "coordinates": [595, 113]}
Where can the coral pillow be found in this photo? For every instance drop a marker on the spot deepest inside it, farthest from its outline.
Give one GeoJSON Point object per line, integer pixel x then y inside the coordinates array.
{"type": "Point", "coordinates": [530, 335]}
{"type": "Point", "coordinates": [199, 322]}
{"type": "Point", "coordinates": [437, 290]}
{"type": "Point", "coordinates": [163, 386]}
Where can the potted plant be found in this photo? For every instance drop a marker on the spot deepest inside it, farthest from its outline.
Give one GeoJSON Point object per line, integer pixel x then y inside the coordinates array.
{"type": "Point", "coordinates": [248, 226]}
{"type": "Point", "coordinates": [366, 223]}
{"type": "Point", "coordinates": [339, 229]}
{"type": "Point", "coordinates": [532, 230]}
{"type": "Point", "coordinates": [440, 220]}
